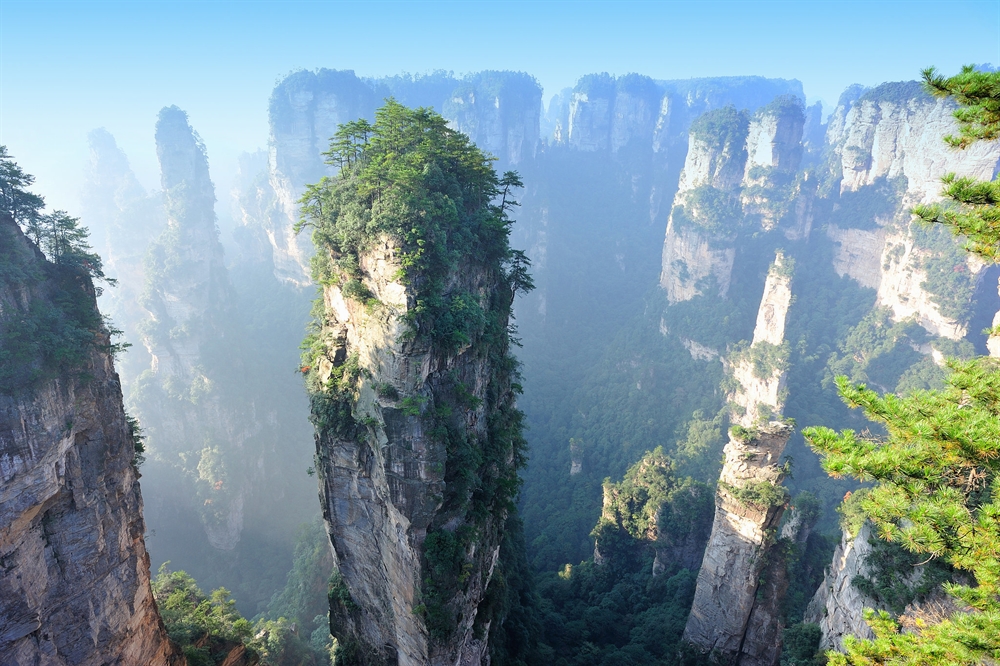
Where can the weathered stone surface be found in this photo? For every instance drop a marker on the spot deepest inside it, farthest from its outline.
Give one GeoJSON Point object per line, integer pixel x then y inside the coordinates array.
{"type": "Point", "coordinates": [838, 606]}
{"type": "Point", "coordinates": [75, 586]}
{"type": "Point", "coordinates": [896, 130]}
{"type": "Point", "coordinates": [736, 615]}
{"type": "Point", "coordinates": [727, 612]}
{"type": "Point", "coordinates": [382, 487]}
{"type": "Point", "coordinates": [688, 258]}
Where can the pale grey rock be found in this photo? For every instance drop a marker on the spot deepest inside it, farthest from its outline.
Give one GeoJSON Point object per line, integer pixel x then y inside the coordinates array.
{"type": "Point", "coordinates": [755, 396]}
{"type": "Point", "coordinates": [688, 258]}
{"type": "Point", "coordinates": [733, 619]}
{"type": "Point", "coordinates": [381, 490]}
{"type": "Point", "coordinates": [774, 139]}
{"type": "Point", "coordinates": [838, 606]}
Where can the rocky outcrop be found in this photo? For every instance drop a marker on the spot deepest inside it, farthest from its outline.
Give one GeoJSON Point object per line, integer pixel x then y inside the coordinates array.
{"type": "Point", "coordinates": [114, 202]}
{"type": "Point", "coordinates": [382, 483]}
{"type": "Point", "coordinates": [774, 139]}
{"type": "Point", "coordinates": [193, 398]}
{"type": "Point", "coordinates": [75, 585]}
{"type": "Point", "coordinates": [760, 371]}
{"type": "Point", "coordinates": [892, 133]}
{"type": "Point", "coordinates": [701, 226]}
{"type": "Point", "coordinates": [739, 176]}
{"type": "Point", "coordinates": [417, 435]}
{"type": "Point", "coordinates": [838, 606]}
{"type": "Point", "coordinates": [690, 258]}
{"type": "Point", "coordinates": [732, 619]}
{"type": "Point", "coordinates": [654, 509]}
{"type": "Point", "coordinates": [736, 614]}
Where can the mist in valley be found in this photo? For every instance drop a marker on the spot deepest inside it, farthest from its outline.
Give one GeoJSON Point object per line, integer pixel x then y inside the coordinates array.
{"type": "Point", "coordinates": [397, 455]}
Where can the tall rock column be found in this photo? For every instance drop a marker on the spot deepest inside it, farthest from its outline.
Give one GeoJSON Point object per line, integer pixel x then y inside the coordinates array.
{"type": "Point", "coordinates": [194, 398]}
{"type": "Point", "coordinates": [706, 214]}
{"type": "Point", "coordinates": [734, 618]}
{"type": "Point", "coordinates": [74, 573]}
{"type": "Point", "coordinates": [417, 437]}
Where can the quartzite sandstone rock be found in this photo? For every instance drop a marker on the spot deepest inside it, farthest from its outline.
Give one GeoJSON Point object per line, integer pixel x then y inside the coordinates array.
{"type": "Point", "coordinates": [74, 588]}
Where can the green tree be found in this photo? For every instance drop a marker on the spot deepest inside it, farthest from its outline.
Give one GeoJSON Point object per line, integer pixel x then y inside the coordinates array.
{"type": "Point", "coordinates": [936, 471]}
{"type": "Point", "coordinates": [65, 242]}
{"type": "Point", "coordinates": [15, 200]}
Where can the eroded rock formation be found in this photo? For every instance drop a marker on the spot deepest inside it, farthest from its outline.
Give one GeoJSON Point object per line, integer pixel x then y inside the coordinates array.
{"type": "Point", "coordinates": [193, 398]}
{"type": "Point", "coordinates": [75, 586]}
{"type": "Point", "coordinates": [735, 617]}
{"type": "Point", "coordinates": [838, 605]}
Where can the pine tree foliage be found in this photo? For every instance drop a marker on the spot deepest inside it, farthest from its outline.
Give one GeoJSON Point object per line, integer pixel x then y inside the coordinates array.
{"type": "Point", "coordinates": [970, 206]}
{"type": "Point", "coordinates": [935, 471]}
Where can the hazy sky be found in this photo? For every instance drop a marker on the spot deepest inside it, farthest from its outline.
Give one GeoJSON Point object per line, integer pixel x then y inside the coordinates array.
{"type": "Point", "coordinates": [68, 67]}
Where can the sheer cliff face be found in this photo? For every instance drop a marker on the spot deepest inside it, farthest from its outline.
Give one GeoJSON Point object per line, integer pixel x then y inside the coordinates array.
{"type": "Point", "coordinates": [737, 175]}
{"type": "Point", "coordinates": [192, 398]}
{"type": "Point", "coordinates": [75, 584]}
{"type": "Point", "coordinates": [383, 479]}
{"type": "Point", "coordinates": [760, 373]}
{"type": "Point", "coordinates": [699, 246]}
{"type": "Point", "coordinates": [736, 614]}
{"type": "Point", "coordinates": [499, 111]}
{"type": "Point", "coordinates": [892, 133]}
{"type": "Point", "coordinates": [838, 606]}
{"type": "Point", "coordinates": [731, 602]}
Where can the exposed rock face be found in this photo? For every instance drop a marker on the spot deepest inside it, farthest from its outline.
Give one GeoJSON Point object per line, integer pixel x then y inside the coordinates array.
{"type": "Point", "coordinates": [774, 304]}
{"type": "Point", "coordinates": [774, 139]}
{"type": "Point", "coordinates": [190, 397]}
{"type": "Point", "coordinates": [736, 615]}
{"type": "Point", "coordinates": [688, 258]}
{"type": "Point", "coordinates": [761, 372]}
{"type": "Point", "coordinates": [729, 617]}
{"type": "Point", "coordinates": [896, 129]}
{"type": "Point", "coordinates": [837, 607]}
{"type": "Point", "coordinates": [738, 172]}
{"type": "Point", "coordinates": [891, 132]}
{"type": "Point", "coordinates": [697, 246]}
{"type": "Point", "coordinates": [383, 480]}
{"type": "Point", "coordinates": [75, 584]}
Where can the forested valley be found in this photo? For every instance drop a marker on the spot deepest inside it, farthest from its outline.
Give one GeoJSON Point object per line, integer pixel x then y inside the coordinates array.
{"type": "Point", "coordinates": [656, 372]}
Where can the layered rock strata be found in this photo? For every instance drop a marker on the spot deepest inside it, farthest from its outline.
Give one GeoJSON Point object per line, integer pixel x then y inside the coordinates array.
{"type": "Point", "coordinates": [74, 588]}
{"type": "Point", "coordinates": [736, 614]}
{"type": "Point", "coordinates": [838, 605]}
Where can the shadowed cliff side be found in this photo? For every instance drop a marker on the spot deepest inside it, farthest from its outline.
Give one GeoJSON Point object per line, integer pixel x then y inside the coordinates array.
{"type": "Point", "coordinates": [75, 585]}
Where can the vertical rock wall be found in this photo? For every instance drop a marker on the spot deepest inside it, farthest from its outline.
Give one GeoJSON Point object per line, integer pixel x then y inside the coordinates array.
{"type": "Point", "coordinates": [383, 482]}
{"type": "Point", "coordinates": [838, 606]}
{"type": "Point", "coordinates": [735, 617]}
{"type": "Point", "coordinates": [74, 573]}
{"type": "Point", "coordinates": [194, 398]}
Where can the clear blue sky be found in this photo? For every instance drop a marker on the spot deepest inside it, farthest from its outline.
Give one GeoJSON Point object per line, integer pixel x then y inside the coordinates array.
{"type": "Point", "coordinates": [68, 67]}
